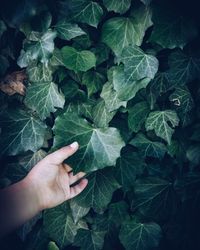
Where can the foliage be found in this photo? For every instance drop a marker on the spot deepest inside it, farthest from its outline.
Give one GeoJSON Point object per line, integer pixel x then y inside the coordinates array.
{"type": "Point", "coordinates": [122, 79]}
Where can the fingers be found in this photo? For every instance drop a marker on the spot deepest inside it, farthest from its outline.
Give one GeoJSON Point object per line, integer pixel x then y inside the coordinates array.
{"type": "Point", "coordinates": [74, 191]}
{"type": "Point", "coordinates": [74, 178]}
{"type": "Point", "coordinates": [67, 167]}
{"type": "Point", "coordinates": [63, 153]}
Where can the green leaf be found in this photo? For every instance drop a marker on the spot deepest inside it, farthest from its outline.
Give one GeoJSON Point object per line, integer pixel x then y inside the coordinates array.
{"type": "Point", "coordinates": [128, 166]}
{"type": "Point", "coordinates": [111, 99]}
{"type": "Point", "coordinates": [93, 81]}
{"type": "Point", "coordinates": [154, 198]}
{"type": "Point", "coordinates": [124, 87]}
{"type": "Point", "coordinates": [99, 191]}
{"type": "Point", "coordinates": [99, 147]}
{"type": "Point", "coordinates": [120, 32]}
{"type": "Point", "coordinates": [90, 240]}
{"type": "Point", "coordinates": [159, 122]}
{"type": "Point", "coordinates": [171, 30]}
{"type": "Point", "coordinates": [21, 132]}
{"type": "Point", "coordinates": [193, 154]}
{"type": "Point", "coordinates": [78, 212]}
{"type": "Point", "coordinates": [85, 11]}
{"type": "Point", "coordinates": [101, 115]}
{"type": "Point", "coordinates": [148, 147]}
{"type": "Point", "coordinates": [43, 97]}
{"type": "Point", "coordinates": [117, 6]}
{"type": "Point", "coordinates": [101, 52]}
{"type": "Point", "coordinates": [78, 60]}
{"type": "Point", "coordinates": [40, 47]}
{"type": "Point", "coordinates": [137, 64]}
{"type": "Point", "coordinates": [137, 116]}
{"type": "Point", "coordinates": [67, 30]}
{"type": "Point", "coordinates": [52, 246]}
{"type": "Point", "coordinates": [140, 236]}
{"type": "Point", "coordinates": [59, 225]}
{"type": "Point", "coordinates": [118, 212]}
{"type": "Point", "coordinates": [183, 68]}
{"type": "Point", "coordinates": [39, 72]}
{"type": "Point", "coordinates": [31, 159]}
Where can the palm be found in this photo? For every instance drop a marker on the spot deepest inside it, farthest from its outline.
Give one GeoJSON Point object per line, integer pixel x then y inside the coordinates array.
{"type": "Point", "coordinates": [54, 180]}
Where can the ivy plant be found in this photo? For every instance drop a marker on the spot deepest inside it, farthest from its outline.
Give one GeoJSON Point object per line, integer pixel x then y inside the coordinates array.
{"type": "Point", "coordinates": [121, 78]}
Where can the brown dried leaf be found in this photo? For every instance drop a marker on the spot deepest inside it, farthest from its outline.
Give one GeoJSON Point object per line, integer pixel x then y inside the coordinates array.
{"type": "Point", "coordinates": [14, 83]}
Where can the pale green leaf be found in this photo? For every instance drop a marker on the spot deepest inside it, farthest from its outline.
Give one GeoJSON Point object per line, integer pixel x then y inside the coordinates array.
{"type": "Point", "coordinates": [21, 132]}
{"type": "Point", "coordinates": [162, 122]}
{"type": "Point", "coordinates": [119, 6]}
{"type": "Point", "coordinates": [111, 99]}
{"type": "Point", "coordinates": [78, 212]}
{"type": "Point", "coordinates": [101, 115]}
{"type": "Point", "coordinates": [85, 11]}
{"type": "Point", "coordinates": [137, 64]}
{"type": "Point", "coordinates": [120, 32]}
{"type": "Point", "coordinates": [67, 30]}
{"type": "Point", "coordinates": [39, 72]}
{"type": "Point", "coordinates": [44, 98]}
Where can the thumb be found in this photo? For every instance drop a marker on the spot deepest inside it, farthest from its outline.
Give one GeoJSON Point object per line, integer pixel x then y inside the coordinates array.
{"type": "Point", "coordinates": [63, 153]}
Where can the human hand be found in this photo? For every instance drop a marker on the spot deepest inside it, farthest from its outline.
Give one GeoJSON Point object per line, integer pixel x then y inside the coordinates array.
{"type": "Point", "coordinates": [51, 178]}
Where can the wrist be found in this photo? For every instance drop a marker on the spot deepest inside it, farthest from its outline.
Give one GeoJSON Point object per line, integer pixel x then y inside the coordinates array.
{"type": "Point", "coordinates": [33, 194]}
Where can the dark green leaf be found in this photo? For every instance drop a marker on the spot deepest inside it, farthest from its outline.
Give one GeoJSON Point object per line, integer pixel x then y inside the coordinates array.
{"type": "Point", "coordinates": [78, 60]}
{"type": "Point", "coordinates": [140, 236]}
{"type": "Point", "coordinates": [117, 6]}
{"type": "Point", "coordinates": [96, 144]}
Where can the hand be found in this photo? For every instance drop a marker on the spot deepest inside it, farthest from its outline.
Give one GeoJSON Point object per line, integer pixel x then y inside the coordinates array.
{"type": "Point", "coordinates": [51, 178]}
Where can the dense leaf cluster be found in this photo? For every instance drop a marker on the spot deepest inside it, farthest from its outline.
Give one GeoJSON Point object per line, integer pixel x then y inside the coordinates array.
{"type": "Point", "coordinates": [121, 77]}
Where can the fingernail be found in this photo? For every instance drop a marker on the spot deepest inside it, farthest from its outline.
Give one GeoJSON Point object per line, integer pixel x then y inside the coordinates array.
{"type": "Point", "coordinates": [74, 145]}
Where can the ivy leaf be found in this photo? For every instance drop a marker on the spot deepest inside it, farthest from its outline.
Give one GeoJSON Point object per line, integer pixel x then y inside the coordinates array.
{"type": "Point", "coordinates": [111, 98]}
{"type": "Point", "coordinates": [125, 88]}
{"type": "Point", "coordinates": [117, 6]}
{"type": "Point", "coordinates": [193, 153]}
{"type": "Point", "coordinates": [89, 239]}
{"type": "Point", "coordinates": [21, 132]}
{"type": "Point", "coordinates": [183, 103]}
{"type": "Point", "coordinates": [183, 68]}
{"type": "Point", "coordinates": [78, 212]}
{"type": "Point", "coordinates": [85, 11]}
{"type": "Point", "coordinates": [137, 64]}
{"type": "Point", "coordinates": [99, 147]}
{"type": "Point", "coordinates": [137, 116]}
{"type": "Point", "coordinates": [67, 30]}
{"type": "Point", "coordinates": [171, 30]}
{"type": "Point", "coordinates": [78, 60]}
{"type": "Point", "coordinates": [101, 115]}
{"type": "Point", "coordinates": [128, 166]}
{"type": "Point", "coordinates": [101, 52]}
{"type": "Point", "coordinates": [59, 225]}
{"type": "Point", "coordinates": [120, 32]}
{"type": "Point", "coordinates": [140, 236]}
{"type": "Point", "coordinates": [148, 147]}
{"type": "Point", "coordinates": [52, 246]}
{"type": "Point", "coordinates": [118, 212]}
{"type": "Point", "coordinates": [159, 122]}
{"type": "Point", "coordinates": [43, 97]}
{"type": "Point", "coordinates": [154, 197]}
{"type": "Point", "coordinates": [99, 190]}
{"type": "Point", "coordinates": [31, 159]}
{"type": "Point", "coordinates": [39, 48]}
{"type": "Point", "coordinates": [94, 81]}
{"type": "Point", "coordinates": [39, 72]}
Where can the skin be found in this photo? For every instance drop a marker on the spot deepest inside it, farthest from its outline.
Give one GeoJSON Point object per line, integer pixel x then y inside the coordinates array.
{"type": "Point", "coordinates": [47, 185]}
